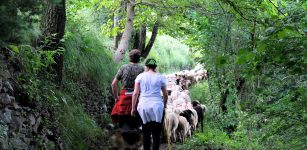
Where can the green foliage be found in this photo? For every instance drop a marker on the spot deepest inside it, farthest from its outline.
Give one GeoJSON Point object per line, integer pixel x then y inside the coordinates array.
{"type": "Point", "coordinates": [35, 64]}
{"type": "Point", "coordinates": [19, 21]}
{"type": "Point", "coordinates": [268, 107]}
{"type": "Point", "coordinates": [88, 72]}
{"type": "Point", "coordinates": [215, 138]}
{"type": "Point", "coordinates": [254, 51]}
{"type": "Point", "coordinates": [200, 92]}
{"type": "Point", "coordinates": [170, 54]}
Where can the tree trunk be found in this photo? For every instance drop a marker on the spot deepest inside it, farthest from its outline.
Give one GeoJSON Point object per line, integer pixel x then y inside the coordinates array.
{"type": "Point", "coordinates": [148, 47]}
{"type": "Point", "coordinates": [223, 100]}
{"type": "Point", "coordinates": [117, 36]}
{"type": "Point", "coordinates": [53, 27]}
{"type": "Point", "coordinates": [124, 42]}
{"type": "Point", "coordinates": [140, 39]}
{"type": "Point", "coordinates": [253, 36]}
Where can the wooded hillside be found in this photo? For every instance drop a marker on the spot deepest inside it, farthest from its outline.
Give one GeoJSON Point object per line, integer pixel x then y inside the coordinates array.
{"type": "Point", "coordinates": [58, 58]}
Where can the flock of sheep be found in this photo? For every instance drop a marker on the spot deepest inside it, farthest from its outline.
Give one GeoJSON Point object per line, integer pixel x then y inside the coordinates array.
{"type": "Point", "coordinates": [182, 115]}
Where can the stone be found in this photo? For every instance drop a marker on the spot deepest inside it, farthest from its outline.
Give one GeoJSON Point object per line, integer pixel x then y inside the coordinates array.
{"type": "Point", "coordinates": [17, 143]}
{"type": "Point", "coordinates": [24, 131]}
{"type": "Point", "coordinates": [7, 86]}
{"type": "Point", "coordinates": [4, 73]}
{"type": "Point", "coordinates": [4, 137]}
{"type": "Point", "coordinates": [4, 143]}
{"type": "Point", "coordinates": [49, 132]}
{"type": "Point", "coordinates": [27, 140]}
{"type": "Point", "coordinates": [35, 127]}
{"type": "Point", "coordinates": [16, 106]}
{"type": "Point", "coordinates": [1, 84]}
{"type": "Point", "coordinates": [5, 98]}
{"type": "Point", "coordinates": [32, 119]}
{"type": "Point", "coordinates": [17, 123]}
{"type": "Point", "coordinates": [6, 117]}
{"type": "Point", "coordinates": [104, 108]}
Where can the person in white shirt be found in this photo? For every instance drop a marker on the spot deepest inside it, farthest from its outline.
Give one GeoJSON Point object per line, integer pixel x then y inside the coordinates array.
{"type": "Point", "coordinates": [150, 106]}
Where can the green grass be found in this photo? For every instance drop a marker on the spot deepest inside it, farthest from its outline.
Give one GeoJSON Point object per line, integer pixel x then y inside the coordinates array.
{"type": "Point", "coordinates": [78, 129]}
{"type": "Point", "coordinates": [88, 72]}
{"type": "Point", "coordinates": [200, 92]}
{"type": "Point", "coordinates": [86, 58]}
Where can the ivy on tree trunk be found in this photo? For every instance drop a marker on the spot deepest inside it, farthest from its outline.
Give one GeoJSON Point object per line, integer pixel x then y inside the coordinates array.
{"type": "Point", "coordinates": [53, 27]}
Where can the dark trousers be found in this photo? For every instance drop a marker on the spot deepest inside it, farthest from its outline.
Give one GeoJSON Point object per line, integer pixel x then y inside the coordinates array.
{"type": "Point", "coordinates": [151, 128]}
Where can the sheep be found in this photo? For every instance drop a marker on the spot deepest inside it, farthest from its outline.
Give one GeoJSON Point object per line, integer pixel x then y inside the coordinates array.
{"type": "Point", "coordinates": [194, 119]}
{"type": "Point", "coordinates": [179, 103]}
{"type": "Point", "coordinates": [200, 109]}
{"type": "Point", "coordinates": [188, 114]}
{"type": "Point", "coordinates": [200, 115]}
{"type": "Point", "coordinates": [183, 128]}
{"type": "Point", "coordinates": [170, 125]}
{"type": "Point", "coordinates": [185, 95]}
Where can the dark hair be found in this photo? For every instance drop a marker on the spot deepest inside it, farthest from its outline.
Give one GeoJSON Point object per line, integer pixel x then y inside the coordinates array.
{"type": "Point", "coordinates": [152, 66]}
{"type": "Point", "coordinates": [134, 56]}
{"type": "Point", "coordinates": [151, 63]}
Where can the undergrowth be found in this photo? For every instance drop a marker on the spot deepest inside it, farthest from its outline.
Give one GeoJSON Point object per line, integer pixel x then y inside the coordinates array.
{"type": "Point", "coordinates": [78, 128]}
{"type": "Point", "coordinates": [219, 132]}
{"type": "Point", "coordinates": [88, 72]}
{"type": "Point", "coordinates": [243, 129]}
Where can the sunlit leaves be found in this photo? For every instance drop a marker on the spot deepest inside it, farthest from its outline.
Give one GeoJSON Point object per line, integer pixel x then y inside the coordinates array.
{"type": "Point", "coordinates": [261, 47]}
{"type": "Point", "coordinates": [288, 33]}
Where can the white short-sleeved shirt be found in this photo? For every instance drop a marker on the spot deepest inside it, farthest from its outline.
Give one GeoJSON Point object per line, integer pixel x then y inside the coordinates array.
{"type": "Point", "coordinates": [150, 106]}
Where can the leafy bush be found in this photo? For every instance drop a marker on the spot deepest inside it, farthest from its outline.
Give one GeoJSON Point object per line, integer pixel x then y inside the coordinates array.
{"type": "Point", "coordinates": [36, 78]}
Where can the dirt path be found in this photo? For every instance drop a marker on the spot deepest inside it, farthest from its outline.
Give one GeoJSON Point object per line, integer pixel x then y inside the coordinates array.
{"type": "Point", "coordinates": [164, 146]}
{"type": "Point", "coordinates": [174, 146]}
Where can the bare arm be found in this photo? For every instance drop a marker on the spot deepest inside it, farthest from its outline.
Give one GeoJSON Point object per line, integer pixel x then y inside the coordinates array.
{"type": "Point", "coordinates": [165, 95]}
{"type": "Point", "coordinates": [135, 96]}
{"type": "Point", "coordinates": [114, 89]}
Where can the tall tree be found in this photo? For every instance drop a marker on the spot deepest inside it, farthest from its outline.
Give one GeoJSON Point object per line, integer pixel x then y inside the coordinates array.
{"type": "Point", "coordinates": [145, 52]}
{"type": "Point", "coordinates": [53, 27]}
{"type": "Point", "coordinates": [140, 38]}
{"type": "Point", "coordinates": [116, 36]}
{"type": "Point", "coordinates": [124, 42]}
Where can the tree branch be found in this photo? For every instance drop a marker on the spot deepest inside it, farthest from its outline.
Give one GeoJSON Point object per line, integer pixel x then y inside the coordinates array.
{"type": "Point", "coordinates": [146, 3]}
{"type": "Point", "coordinates": [277, 8]}
{"type": "Point", "coordinates": [236, 9]}
{"type": "Point", "coordinates": [154, 34]}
